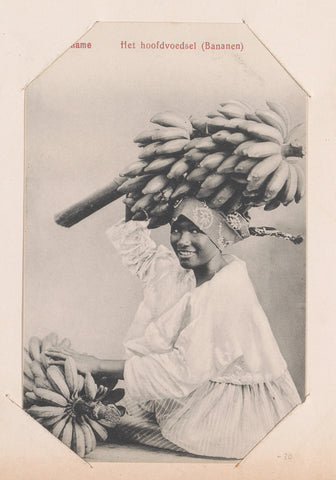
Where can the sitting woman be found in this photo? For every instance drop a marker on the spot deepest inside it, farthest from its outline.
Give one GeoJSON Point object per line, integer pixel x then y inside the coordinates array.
{"type": "Point", "coordinates": [204, 373]}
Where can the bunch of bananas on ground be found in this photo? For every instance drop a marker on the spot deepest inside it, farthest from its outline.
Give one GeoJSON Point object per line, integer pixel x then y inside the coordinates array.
{"type": "Point", "coordinates": [235, 158]}
{"type": "Point", "coordinates": [70, 405]}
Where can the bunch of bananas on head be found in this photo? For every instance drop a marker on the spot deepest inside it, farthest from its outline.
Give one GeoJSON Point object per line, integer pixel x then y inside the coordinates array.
{"type": "Point", "coordinates": [71, 406]}
{"type": "Point", "coordinates": [235, 158]}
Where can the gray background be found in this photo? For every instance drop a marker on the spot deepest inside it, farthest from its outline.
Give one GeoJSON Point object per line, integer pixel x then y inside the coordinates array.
{"type": "Point", "coordinates": [81, 116]}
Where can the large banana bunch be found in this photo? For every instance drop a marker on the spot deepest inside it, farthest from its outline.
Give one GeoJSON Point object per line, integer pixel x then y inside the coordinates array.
{"type": "Point", "coordinates": [235, 158]}
{"type": "Point", "coordinates": [70, 405]}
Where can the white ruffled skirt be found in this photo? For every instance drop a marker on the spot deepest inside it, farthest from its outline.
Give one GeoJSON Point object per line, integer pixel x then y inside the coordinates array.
{"type": "Point", "coordinates": [217, 419]}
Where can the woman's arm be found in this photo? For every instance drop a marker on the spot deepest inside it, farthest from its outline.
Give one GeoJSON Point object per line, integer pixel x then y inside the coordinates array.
{"type": "Point", "coordinates": [87, 363]}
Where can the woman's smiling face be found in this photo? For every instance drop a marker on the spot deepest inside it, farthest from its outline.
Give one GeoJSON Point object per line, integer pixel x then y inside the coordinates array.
{"type": "Point", "coordinates": [192, 247]}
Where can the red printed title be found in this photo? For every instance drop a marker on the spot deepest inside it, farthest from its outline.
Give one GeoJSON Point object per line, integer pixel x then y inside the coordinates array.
{"type": "Point", "coordinates": [163, 45]}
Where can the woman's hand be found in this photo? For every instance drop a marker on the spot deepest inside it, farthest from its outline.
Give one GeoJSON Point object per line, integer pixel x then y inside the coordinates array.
{"type": "Point", "coordinates": [85, 363]}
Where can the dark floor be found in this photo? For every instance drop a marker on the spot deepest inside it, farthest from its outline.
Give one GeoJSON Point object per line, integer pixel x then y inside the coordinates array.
{"type": "Point", "coordinates": [109, 452]}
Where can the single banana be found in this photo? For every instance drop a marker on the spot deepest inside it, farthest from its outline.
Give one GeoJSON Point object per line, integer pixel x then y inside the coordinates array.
{"type": "Point", "coordinates": [35, 348]}
{"type": "Point", "coordinates": [237, 124]}
{"type": "Point", "coordinates": [170, 133]}
{"type": "Point", "coordinates": [194, 155]}
{"type": "Point", "coordinates": [251, 193]}
{"type": "Point", "coordinates": [231, 110]}
{"type": "Point", "coordinates": [200, 124]}
{"type": "Point", "coordinates": [274, 120]}
{"type": "Point", "coordinates": [66, 435]}
{"type": "Point", "coordinates": [239, 103]}
{"type": "Point", "coordinates": [45, 411]}
{"type": "Point", "coordinates": [205, 193]}
{"type": "Point", "coordinates": [90, 386]}
{"type": "Point", "coordinates": [54, 338]}
{"type": "Point", "coordinates": [214, 115]}
{"type": "Point", "coordinates": [228, 165]}
{"type": "Point", "coordinates": [46, 343]}
{"type": "Point", "coordinates": [281, 111]}
{"type": "Point", "coordinates": [300, 191]}
{"type": "Point", "coordinates": [213, 160]}
{"type": "Point", "coordinates": [237, 138]}
{"type": "Point", "coordinates": [44, 360]}
{"type": "Point", "coordinates": [243, 148]}
{"type": "Point", "coordinates": [80, 382]}
{"type": "Point", "coordinates": [70, 374]}
{"type": "Point", "coordinates": [160, 209]}
{"type": "Point", "coordinates": [149, 151]}
{"type": "Point", "coordinates": [221, 136]}
{"type": "Point", "coordinates": [37, 369]}
{"type": "Point", "coordinates": [235, 203]}
{"type": "Point", "coordinates": [156, 184]}
{"type": "Point", "coordinates": [192, 144]}
{"type": "Point", "coordinates": [172, 119]}
{"type": "Point", "coordinates": [78, 440]}
{"type": "Point", "coordinates": [293, 160]}
{"type": "Point", "coordinates": [28, 383]}
{"type": "Point", "coordinates": [198, 174]}
{"type": "Point", "coordinates": [143, 203]}
{"type": "Point", "coordinates": [172, 147]}
{"type": "Point", "coordinates": [238, 178]}
{"type": "Point", "coordinates": [98, 429]}
{"type": "Point", "coordinates": [140, 216]}
{"type": "Point", "coordinates": [26, 356]}
{"type": "Point", "coordinates": [134, 184]}
{"type": "Point", "coordinates": [134, 169]}
{"type": "Point", "coordinates": [207, 144]}
{"type": "Point", "coordinates": [52, 398]}
{"type": "Point", "coordinates": [276, 181]}
{"type": "Point", "coordinates": [129, 201]}
{"type": "Point", "coordinates": [90, 439]}
{"type": "Point", "coordinates": [253, 117]}
{"type": "Point", "coordinates": [290, 188]}
{"type": "Point", "coordinates": [49, 422]}
{"type": "Point", "coordinates": [28, 371]}
{"type": "Point", "coordinates": [58, 427]}
{"type": "Point", "coordinates": [178, 169]}
{"type": "Point", "coordinates": [32, 397]}
{"type": "Point", "coordinates": [222, 196]}
{"type": "Point", "coordinates": [160, 164]}
{"type": "Point", "coordinates": [272, 205]}
{"type": "Point", "coordinates": [215, 124]}
{"type": "Point", "coordinates": [146, 136]}
{"type": "Point", "coordinates": [164, 195]}
{"type": "Point", "coordinates": [245, 165]}
{"type": "Point", "coordinates": [57, 380]}
{"type": "Point", "coordinates": [264, 168]}
{"type": "Point", "coordinates": [262, 150]}
{"type": "Point", "coordinates": [213, 181]}
{"type": "Point", "coordinates": [42, 382]}
{"type": "Point", "coordinates": [182, 189]}
{"type": "Point", "coordinates": [265, 132]}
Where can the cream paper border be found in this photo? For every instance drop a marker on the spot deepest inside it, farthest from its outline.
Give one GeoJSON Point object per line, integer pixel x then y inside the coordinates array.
{"type": "Point", "coordinates": [301, 36]}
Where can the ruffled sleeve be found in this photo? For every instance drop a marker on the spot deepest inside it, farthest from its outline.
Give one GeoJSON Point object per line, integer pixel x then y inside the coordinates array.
{"type": "Point", "coordinates": [164, 280]}
{"type": "Point", "coordinates": [134, 245]}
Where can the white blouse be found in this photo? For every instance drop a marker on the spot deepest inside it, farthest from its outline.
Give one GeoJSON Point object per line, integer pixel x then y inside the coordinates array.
{"type": "Point", "coordinates": [182, 335]}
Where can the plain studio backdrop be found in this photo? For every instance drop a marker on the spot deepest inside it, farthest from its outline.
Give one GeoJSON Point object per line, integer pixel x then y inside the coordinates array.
{"type": "Point", "coordinates": [81, 116]}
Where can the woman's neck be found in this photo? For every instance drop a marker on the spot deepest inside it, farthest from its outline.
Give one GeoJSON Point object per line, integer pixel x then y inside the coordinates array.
{"type": "Point", "coordinates": [205, 272]}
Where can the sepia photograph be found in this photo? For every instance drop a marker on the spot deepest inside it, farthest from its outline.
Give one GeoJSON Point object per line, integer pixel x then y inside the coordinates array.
{"type": "Point", "coordinates": [164, 306]}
